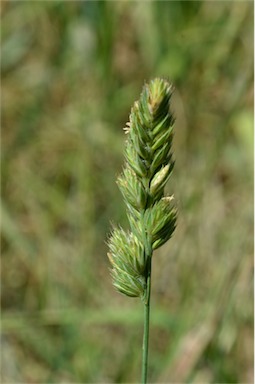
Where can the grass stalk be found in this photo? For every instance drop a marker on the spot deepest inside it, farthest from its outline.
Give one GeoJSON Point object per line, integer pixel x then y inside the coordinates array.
{"type": "Point", "coordinates": [146, 329]}
{"type": "Point", "coordinates": [151, 214]}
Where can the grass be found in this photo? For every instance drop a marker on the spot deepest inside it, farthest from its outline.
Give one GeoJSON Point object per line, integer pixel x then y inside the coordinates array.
{"type": "Point", "coordinates": [151, 215]}
{"type": "Point", "coordinates": [70, 71]}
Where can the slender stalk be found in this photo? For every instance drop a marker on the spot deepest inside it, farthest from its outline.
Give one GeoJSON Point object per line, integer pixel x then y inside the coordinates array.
{"type": "Point", "coordinates": [146, 327]}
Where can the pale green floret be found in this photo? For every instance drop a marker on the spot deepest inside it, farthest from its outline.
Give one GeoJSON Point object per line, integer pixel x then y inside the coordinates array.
{"type": "Point", "coordinates": [132, 189]}
{"type": "Point", "coordinates": [159, 180]}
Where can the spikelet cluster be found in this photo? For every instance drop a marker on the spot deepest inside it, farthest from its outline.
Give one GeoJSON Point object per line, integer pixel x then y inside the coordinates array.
{"type": "Point", "coordinates": [148, 166]}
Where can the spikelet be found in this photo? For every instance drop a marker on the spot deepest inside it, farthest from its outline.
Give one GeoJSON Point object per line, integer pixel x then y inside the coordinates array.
{"type": "Point", "coordinates": [148, 166]}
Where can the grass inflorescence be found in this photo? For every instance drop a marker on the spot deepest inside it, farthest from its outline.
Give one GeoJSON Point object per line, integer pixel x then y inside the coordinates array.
{"type": "Point", "coordinates": [151, 214]}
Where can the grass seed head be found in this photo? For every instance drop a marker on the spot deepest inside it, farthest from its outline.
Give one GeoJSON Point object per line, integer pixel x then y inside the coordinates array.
{"type": "Point", "coordinates": [149, 164]}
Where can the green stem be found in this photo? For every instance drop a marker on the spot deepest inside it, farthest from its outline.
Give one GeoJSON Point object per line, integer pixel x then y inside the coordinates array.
{"type": "Point", "coordinates": [146, 325]}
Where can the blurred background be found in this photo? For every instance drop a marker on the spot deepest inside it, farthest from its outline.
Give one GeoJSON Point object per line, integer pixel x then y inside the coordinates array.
{"type": "Point", "coordinates": [70, 74]}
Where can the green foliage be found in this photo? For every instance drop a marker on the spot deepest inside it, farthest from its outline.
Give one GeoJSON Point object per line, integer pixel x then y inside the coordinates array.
{"type": "Point", "coordinates": [69, 73]}
{"type": "Point", "coordinates": [148, 167]}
